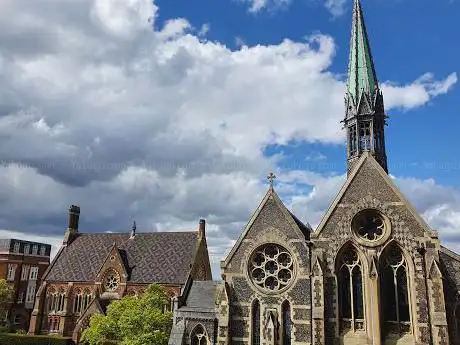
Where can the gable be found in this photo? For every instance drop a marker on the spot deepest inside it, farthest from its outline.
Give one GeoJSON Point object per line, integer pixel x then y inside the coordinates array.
{"type": "Point", "coordinates": [271, 219]}
{"type": "Point", "coordinates": [369, 186]}
{"type": "Point", "coordinates": [114, 260]}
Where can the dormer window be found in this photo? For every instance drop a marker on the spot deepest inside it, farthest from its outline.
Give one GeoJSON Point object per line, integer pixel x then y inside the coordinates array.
{"type": "Point", "coordinates": [16, 247]}
{"type": "Point", "coordinates": [35, 249]}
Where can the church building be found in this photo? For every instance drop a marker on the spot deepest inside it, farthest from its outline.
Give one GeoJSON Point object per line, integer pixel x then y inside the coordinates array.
{"type": "Point", "coordinates": [93, 269]}
{"type": "Point", "coordinates": [372, 272]}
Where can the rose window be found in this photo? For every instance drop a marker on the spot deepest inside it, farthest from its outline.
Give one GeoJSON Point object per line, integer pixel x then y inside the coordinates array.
{"type": "Point", "coordinates": [111, 281]}
{"type": "Point", "coordinates": [271, 267]}
{"type": "Point", "coordinates": [369, 225]}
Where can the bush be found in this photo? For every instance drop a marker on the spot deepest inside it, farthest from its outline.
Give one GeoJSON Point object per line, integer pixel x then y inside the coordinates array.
{"type": "Point", "coordinates": [21, 331]}
{"type": "Point", "coordinates": [16, 339]}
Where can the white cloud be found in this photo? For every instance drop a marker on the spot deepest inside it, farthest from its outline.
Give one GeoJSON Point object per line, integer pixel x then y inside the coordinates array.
{"type": "Point", "coordinates": [258, 5]}
{"type": "Point", "coordinates": [420, 92]}
{"type": "Point", "coordinates": [100, 109]}
{"type": "Point", "coordinates": [335, 7]}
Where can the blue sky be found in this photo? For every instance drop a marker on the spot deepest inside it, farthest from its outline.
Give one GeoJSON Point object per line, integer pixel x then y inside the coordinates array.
{"type": "Point", "coordinates": [404, 46]}
{"type": "Point", "coordinates": [184, 120]}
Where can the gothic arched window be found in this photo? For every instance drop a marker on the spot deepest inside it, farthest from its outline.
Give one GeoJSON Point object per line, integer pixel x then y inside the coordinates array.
{"type": "Point", "coordinates": [351, 307]}
{"type": "Point", "coordinates": [394, 291]}
{"type": "Point", "coordinates": [287, 323]}
{"type": "Point", "coordinates": [77, 302]}
{"type": "Point", "coordinates": [198, 336]}
{"type": "Point", "coordinates": [255, 320]}
{"type": "Point", "coordinates": [61, 301]}
{"type": "Point", "coordinates": [87, 297]}
{"type": "Point", "coordinates": [365, 135]}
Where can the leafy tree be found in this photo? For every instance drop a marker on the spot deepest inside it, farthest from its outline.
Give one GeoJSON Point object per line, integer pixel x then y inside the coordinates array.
{"type": "Point", "coordinates": [132, 321]}
{"type": "Point", "coordinates": [6, 297]}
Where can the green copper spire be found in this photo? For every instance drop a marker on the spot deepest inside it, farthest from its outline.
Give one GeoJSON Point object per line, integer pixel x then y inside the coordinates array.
{"type": "Point", "coordinates": [361, 72]}
{"type": "Point", "coordinates": [365, 117]}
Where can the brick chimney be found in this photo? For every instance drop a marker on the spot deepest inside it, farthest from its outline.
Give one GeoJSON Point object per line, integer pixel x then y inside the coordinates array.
{"type": "Point", "coordinates": [72, 228]}
{"type": "Point", "coordinates": [202, 229]}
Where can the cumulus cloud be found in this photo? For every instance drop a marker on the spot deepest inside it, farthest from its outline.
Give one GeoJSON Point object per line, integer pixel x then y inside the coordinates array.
{"type": "Point", "coordinates": [420, 92]}
{"type": "Point", "coordinates": [103, 107]}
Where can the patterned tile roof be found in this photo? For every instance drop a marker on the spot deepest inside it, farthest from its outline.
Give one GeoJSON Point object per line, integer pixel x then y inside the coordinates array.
{"type": "Point", "coordinates": [202, 296]}
{"type": "Point", "coordinates": [158, 257]}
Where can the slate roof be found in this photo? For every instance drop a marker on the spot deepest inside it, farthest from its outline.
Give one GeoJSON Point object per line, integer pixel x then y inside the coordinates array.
{"type": "Point", "coordinates": [157, 257]}
{"type": "Point", "coordinates": [305, 228]}
{"type": "Point", "coordinates": [202, 296]}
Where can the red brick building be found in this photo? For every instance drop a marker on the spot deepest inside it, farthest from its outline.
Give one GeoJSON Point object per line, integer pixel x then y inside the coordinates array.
{"type": "Point", "coordinates": [93, 269]}
{"type": "Point", "coordinates": [22, 264]}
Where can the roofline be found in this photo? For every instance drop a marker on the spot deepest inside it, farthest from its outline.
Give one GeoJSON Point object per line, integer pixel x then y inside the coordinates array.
{"type": "Point", "coordinates": [51, 265]}
{"type": "Point", "coordinates": [137, 233]}
{"type": "Point", "coordinates": [450, 253]}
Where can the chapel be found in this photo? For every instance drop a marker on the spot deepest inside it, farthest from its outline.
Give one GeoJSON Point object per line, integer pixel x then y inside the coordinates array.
{"type": "Point", "coordinates": [372, 272]}
{"type": "Point", "coordinates": [91, 270]}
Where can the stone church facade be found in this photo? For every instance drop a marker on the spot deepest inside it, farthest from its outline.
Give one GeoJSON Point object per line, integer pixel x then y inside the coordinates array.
{"type": "Point", "coordinates": [372, 272]}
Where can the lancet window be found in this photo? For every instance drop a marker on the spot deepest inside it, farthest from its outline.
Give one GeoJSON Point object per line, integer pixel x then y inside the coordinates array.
{"type": "Point", "coordinates": [394, 291]}
{"type": "Point", "coordinates": [351, 307]}
{"type": "Point", "coordinates": [365, 135]}
{"type": "Point", "coordinates": [287, 323]}
{"type": "Point", "coordinates": [352, 143]}
{"type": "Point", "coordinates": [255, 320]}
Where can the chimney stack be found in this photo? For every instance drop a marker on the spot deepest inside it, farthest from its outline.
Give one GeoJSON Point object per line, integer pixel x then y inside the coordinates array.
{"type": "Point", "coordinates": [202, 229]}
{"type": "Point", "coordinates": [72, 228]}
{"type": "Point", "coordinates": [74, 216]}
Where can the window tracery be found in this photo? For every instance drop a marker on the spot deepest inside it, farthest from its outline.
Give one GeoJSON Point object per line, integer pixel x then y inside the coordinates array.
{"type": "Point", "coordinates": [350, 282]}
{"type": "Point", "coordinates": [198, 336]}
{"type": "Point", "coordinates": [82, 300]}
{"type": "Point", "coordinates": [394, 291]}
{"type": "Point", "coordinates": [111, 281]}
{"type": "Point", "coordinates": [369, 225]}
{"type": "Point", "coordinates": [271, 267]}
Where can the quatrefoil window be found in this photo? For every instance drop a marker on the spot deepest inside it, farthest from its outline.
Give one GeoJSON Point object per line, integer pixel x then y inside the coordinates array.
{"type": "Point", "coordinates": [369, 225]}
{"type": "Point", "coordinates": [271, 267]}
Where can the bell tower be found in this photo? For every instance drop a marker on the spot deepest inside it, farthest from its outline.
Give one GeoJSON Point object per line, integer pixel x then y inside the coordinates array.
{"type": "Point", "coordinates": [365, 117]}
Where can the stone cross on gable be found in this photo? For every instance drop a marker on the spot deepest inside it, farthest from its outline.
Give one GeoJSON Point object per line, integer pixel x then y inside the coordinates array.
{"type": "Point", "coordinates": [271, 177]}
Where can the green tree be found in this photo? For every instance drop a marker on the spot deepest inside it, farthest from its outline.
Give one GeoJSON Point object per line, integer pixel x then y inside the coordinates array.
{"type": "Point", "coordinates": [6, 298]}
{"type": "Point", "coordinates": [132, 321]}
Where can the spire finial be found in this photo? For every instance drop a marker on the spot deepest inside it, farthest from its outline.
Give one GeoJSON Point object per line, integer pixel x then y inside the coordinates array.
{"type": "Point", "coordinates": [271, 178]}
{"type": "Point", "coordinates": [133, 229]}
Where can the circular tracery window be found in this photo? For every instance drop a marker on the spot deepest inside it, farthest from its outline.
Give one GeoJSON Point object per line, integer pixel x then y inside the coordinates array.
{"type": "Point", "coordinates": [111, 281]}
{"type": "Point", "coordinates": [271, 267]}
{"type": "Point", "coordinates": [369, 225]}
